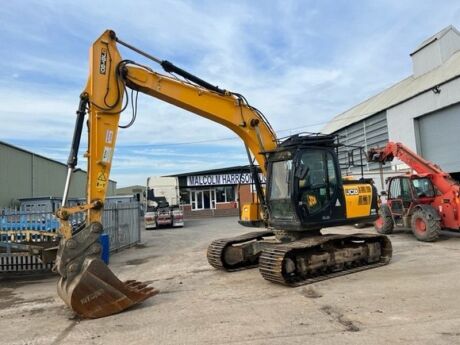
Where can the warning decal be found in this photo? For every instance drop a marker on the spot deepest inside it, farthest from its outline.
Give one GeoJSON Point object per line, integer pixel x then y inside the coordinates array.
{"type": "Point", "coordinates": [101, 181]}
{"type": "Point", "coordinates": [107, 155]}
{"type": "Point", "coordinates": [108, 136]}
{"type": "Point", "coordinates": [103, 61]}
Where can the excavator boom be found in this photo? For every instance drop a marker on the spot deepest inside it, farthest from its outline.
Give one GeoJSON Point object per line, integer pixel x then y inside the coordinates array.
{"type": "Point", "coordinates": [87, 285]}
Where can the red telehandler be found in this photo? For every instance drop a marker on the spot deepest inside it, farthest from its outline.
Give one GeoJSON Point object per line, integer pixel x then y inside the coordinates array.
{"type": "Point", "coordinates": [426, 201]}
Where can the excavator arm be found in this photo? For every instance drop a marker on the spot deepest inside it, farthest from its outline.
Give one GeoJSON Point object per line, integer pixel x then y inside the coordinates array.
{"type": "Point", "coordinates": [87, 285]}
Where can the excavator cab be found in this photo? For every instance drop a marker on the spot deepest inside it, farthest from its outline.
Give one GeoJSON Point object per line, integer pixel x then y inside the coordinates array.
{"type": "Point", "coordinates": [302, 190]}
{"type": "Point", "coordinates": [305, 187]}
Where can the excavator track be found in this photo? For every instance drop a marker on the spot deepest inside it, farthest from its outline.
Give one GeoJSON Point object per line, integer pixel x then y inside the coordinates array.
{"type": "Point", "coordinates": [216, 251]}
{"type": "Point", "coordinates": [323, 257]}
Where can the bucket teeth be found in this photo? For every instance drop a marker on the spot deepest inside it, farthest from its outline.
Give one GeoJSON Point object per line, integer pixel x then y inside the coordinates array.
{"type": "Point", "coordinates": [96, 292]}
{"type": "Point", "coordinates": [134, 284]}
{"type": "Point", "coordinates": [87, 284]}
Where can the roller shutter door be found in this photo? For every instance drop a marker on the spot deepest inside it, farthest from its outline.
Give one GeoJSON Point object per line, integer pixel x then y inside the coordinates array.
{"type": "Point", "coordinates": [439, 138]}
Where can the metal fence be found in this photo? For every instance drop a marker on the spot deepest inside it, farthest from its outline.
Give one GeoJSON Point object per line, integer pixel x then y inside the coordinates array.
{"type": "Point", "coordinates": [121, 221]}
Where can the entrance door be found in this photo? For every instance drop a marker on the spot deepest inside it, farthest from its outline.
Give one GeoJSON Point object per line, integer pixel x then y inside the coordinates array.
{"type": "Point", "coordinates": [197, 200]}
{"type": "Point", "coordinates": [203, 199]}
{"type": "Point", "coordinates": [206, 199]}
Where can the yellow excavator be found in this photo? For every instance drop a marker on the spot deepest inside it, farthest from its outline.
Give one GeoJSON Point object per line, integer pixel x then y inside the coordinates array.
{"type": "Point", "coordinates": [304, 190]}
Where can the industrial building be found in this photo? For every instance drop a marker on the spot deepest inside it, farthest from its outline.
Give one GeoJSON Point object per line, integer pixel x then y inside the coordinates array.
{"type": "Point", "coordinates": [24, 174]}
{"type": "Point", "coordinates": [216, 192]}
{"type": "Point", "coordinates": [422, 111]}
{"type": "Point", "coordinates": [137, 191]}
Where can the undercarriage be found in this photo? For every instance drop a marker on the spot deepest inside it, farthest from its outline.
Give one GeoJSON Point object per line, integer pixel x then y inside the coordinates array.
{"type": "Point", "coordinates": [310, 258]}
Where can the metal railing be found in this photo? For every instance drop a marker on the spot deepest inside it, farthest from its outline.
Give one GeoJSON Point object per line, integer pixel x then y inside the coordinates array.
{"type": "Point", "coordinates": [121, 221]}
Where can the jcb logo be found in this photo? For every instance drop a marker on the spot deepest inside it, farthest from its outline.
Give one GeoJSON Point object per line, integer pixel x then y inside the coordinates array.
{"type": "Point", "coordinates": [103, 62]}
{"type": "Point", "coordinates": [353, 191]}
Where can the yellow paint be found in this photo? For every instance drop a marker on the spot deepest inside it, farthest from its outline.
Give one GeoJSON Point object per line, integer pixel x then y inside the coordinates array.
{"type": "Point", "coordinates": [250, 212]}
{"type": "Point", "coordinates": [358, 198]}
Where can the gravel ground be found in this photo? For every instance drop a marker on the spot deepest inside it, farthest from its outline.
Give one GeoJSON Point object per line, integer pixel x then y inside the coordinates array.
{"type": "Point", "coordinates": [412, 300]}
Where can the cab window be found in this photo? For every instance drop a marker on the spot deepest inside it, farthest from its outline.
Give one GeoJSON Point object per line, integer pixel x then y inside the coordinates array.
{"type": "Point", "coordinates": [280, 192]}
{"type": "Point", "coordinates": [423, 188]}
{"type": "Point", "coordinates": [319, 183]}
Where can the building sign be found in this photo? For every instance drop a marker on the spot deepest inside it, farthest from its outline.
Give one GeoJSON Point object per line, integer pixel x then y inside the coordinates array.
{"type": "Point", "coordinates": [221, 179]}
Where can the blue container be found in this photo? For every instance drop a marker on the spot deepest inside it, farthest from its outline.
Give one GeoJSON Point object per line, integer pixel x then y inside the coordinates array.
{"type": "Point", "coordinates": [105, 243]}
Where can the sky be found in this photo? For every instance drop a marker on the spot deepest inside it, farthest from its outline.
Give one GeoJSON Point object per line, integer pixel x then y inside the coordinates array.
{"type": "Point", "coordinates": [300, 62]}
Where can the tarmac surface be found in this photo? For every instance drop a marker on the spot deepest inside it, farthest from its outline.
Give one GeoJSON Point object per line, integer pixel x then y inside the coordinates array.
{"type": "Point", "coordinates": [413, 300]}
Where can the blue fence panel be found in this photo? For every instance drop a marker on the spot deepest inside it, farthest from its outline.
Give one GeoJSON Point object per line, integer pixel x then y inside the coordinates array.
{"type": "Point", "coordinates": [120, 222]}
{"type": "Point", "coordinates": [13, 220]}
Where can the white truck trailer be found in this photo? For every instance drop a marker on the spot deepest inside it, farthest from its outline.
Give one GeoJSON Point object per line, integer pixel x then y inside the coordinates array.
{"type": "Point", "coordinates": [163, 203]}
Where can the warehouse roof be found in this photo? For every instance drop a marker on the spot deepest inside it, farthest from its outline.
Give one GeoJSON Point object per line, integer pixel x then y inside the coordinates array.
{"type": "Point", "coordinates": [398, 93]}
{"type": "Point", "coordinates": [40, 156]}
{"type": "Point", "coordinates": [435, 37]}
{"type": "Point", "coordinates": [32, 153]}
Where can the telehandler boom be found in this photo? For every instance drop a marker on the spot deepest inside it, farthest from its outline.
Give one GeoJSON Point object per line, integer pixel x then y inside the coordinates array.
{"type": "Point", "coordinates": [304, 192]}
{"type": "Point", "coordinates": [426, 202]}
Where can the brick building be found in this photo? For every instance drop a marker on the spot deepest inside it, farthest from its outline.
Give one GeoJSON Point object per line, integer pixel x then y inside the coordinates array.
{"type": "Point", "coordinates": [217, 192]}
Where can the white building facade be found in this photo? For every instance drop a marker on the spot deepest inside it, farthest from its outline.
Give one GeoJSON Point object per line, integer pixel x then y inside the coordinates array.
{"type": "Point", "coordinates": [421, 111]}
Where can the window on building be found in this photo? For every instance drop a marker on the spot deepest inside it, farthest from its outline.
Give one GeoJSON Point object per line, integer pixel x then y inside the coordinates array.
{"type": "Point", "coordinates": [185, 197]}
{"type": "Point", "coordinates": [230, 194]}
{"type": "Point", "coordinates": [220, 194]}
{"type": "Point", "coordinates": [225, 194]}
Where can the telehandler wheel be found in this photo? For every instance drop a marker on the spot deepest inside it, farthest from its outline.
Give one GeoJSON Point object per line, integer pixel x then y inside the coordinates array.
{"type": "Point", "coordinates": [425, 228]}
{"type": "Point", "coordinates": [384, 223]}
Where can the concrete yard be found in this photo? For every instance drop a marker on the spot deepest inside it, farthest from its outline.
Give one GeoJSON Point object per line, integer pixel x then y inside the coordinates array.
{"type": "Point", "coordinates": [415, 299]}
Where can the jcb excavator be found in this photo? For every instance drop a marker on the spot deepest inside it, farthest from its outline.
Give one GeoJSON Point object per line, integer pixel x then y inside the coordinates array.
{"type": "Point", "coordinates": [426, 202]}
{"type": "Point", "coordinates": [304, 192]}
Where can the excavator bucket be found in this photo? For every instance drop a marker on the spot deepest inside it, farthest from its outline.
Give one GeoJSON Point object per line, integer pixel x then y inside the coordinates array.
{"type": "Point", "coordinates": [97, 292]}
{"type": "Point", "coordinates": [87, 285]}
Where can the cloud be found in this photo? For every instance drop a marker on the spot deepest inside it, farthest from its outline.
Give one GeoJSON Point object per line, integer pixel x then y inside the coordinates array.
{"type": "Point", "coordinates": [301, 63]}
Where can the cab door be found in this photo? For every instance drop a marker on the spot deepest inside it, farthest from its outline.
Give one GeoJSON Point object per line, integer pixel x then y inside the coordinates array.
{"type": "Point", "coordinates": [317, 183]}
{"type": "Point", "coordinates": [399, 197]}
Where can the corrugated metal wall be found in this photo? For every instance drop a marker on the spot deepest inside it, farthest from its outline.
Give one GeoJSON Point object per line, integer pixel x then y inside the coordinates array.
{"type": "Point", "coordinates": [24, 174]}
{"type": "Point", "coordinates": [15, 177]}
{"type": "Point", "coordinates": [371, 132]}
